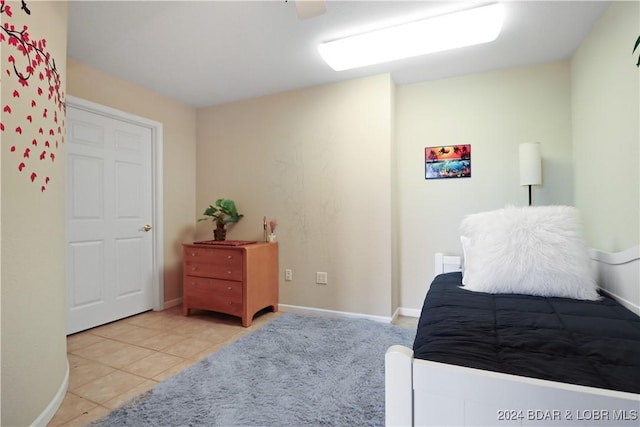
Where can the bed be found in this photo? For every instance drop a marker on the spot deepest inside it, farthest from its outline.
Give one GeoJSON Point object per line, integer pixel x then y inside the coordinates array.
{"type": "Point", "coordinates": [489, 357]}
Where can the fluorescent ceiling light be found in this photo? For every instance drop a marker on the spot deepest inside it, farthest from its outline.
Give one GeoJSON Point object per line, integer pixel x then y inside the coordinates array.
{"type": "Point", "coordinates": [466, 28]}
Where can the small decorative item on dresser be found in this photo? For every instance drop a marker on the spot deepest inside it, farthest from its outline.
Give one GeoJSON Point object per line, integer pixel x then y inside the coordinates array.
{"type": "Point", "coordinates": [264, 229]}
{"type": "Point", "coordinates": [223, 212]}
{"type": "Point", "coordinates": [272, 228]}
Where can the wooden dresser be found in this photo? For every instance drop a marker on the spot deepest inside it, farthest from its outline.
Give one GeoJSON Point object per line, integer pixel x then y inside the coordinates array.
{"type": "Point", "coordinates": [236, 280]}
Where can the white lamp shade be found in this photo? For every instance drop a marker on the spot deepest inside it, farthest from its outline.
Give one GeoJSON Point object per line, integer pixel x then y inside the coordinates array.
{"type": "Point", "coordinates": [530, 164]}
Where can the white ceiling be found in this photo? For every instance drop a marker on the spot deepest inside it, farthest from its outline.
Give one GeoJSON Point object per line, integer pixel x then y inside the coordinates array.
{"type": "Point", "coordinates": [210, 52]}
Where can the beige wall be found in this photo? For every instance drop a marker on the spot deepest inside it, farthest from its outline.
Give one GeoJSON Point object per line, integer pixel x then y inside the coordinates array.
{"type": "Point", "coordinates": [179, 126]}
{"type": "Point", "coordinates": [319, 161]}
{"type": "Point", "coordinates": [606, 129]}
{"type": "Point", "coordinates": [494, 112]}
{"type": "Point", "coordinates": [34, 359]}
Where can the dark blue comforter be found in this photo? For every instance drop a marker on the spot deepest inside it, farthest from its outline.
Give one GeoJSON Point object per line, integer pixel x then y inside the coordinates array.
{"type": "Point", "coordinates": [592, 343]}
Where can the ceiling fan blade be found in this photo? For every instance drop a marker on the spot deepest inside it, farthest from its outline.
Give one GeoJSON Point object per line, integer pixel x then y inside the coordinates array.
{"type": "Point", "coordinates": [310, 8]}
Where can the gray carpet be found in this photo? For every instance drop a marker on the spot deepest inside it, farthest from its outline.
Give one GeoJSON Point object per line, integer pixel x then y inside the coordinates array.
{"type": "Point", "coordinates": [294, 371]}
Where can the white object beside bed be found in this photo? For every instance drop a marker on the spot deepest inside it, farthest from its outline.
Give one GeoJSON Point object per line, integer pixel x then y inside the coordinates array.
{"type": "Point", "coordinates": [619, 275]}
{"type": "Point", "coordinates": [422, 393]}
{"type": "Point", "coordinates": [447, 264]}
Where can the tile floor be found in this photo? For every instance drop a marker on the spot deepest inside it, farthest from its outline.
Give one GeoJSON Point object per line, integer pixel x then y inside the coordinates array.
{"type": "Point", "coordinates": [111, 364]}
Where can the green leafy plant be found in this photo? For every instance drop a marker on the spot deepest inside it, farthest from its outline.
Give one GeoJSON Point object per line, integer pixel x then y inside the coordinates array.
{"type": "Point", "coordinates": [222, 212]}
{"type": "Point", "coordinates": [634, 51]}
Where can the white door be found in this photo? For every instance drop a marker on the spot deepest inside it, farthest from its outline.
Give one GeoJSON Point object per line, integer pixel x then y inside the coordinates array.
{"type": "Point", "coordinates": [109, 212]}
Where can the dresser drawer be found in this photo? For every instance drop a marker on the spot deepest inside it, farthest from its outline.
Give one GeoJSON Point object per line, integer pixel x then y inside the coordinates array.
{"type": "Point", "coordinates": [213, 256]}
{"type": "Point", "coordinates": [224, 272]}
{"type": "Point", "coordinates": [218, 263]}
{"type": "Point", "coordinates": [202, 286]}
{"type": "Point", "coordinates": [231, 306]}
{"type": "Point", "coordinates": [211, 294]}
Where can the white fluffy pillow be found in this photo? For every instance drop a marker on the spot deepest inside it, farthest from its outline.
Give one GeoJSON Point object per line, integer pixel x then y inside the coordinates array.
{"type": "Point", "coordinates": [531, 250]}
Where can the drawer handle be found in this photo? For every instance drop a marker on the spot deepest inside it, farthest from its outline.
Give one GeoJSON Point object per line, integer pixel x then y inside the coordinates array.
{"type": "Point", "coordinates": [193, 254]}
{"type": "Point", "coordinates": [229, 288]}
{"type": "Point", "coordinates": [194, 284]}
{"type": "Point", "coordinates": [230, 303]}
{"type": "Point", "coordinates": [193, 268]}
{"type": "Point", "coordinates": [229, 256]}
{"type": "Point", "coordinates": [229, 272]}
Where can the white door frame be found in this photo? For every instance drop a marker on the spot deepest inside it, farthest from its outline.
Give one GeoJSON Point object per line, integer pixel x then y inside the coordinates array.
{"type": "Point", "coordinates": [157, 188]}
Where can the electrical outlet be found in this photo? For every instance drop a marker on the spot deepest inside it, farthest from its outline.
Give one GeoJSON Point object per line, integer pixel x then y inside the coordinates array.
{"type": "Point", "coordinates": [321, 278]}
{"type": "Point", "coordinates": [288, 274]}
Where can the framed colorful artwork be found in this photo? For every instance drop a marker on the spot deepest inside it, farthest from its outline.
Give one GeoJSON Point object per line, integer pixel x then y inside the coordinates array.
{"type": "Point", "coordinates": [447, 161]}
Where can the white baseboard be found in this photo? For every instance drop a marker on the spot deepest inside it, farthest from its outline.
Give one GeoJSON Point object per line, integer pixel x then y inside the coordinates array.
{"type": "Point", "coordinates": [406, 312]}
{"type": "Point", "coordinates": [409, 312]}
{"type": "Point", "coordinates": [53, 406]}
{"type": "Point", "coordinates": [400, 311]}
{"type": "Point", "coordinates": [172, 303]}
{"type": "Point", "coordinates": [331, 313]}
{"type": "Point", "coordinates": [395, 315]}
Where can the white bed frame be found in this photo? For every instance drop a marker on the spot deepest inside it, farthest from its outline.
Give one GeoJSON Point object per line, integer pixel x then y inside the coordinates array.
{"type": "Point", "coordinates": [425, 393]}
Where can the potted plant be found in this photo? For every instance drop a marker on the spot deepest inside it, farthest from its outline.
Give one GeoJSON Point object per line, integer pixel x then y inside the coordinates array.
{"type": "Point", "coordinates": [223, 212]}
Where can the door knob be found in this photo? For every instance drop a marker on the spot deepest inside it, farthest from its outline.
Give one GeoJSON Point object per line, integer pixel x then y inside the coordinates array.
{"type": "Point", "coordinates": [147, 227]}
